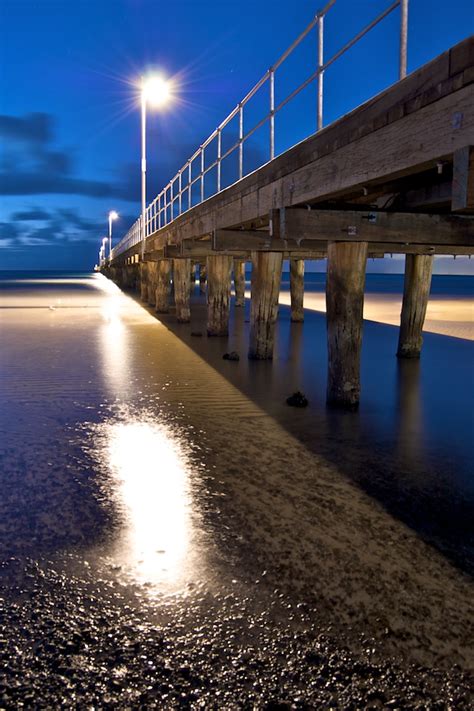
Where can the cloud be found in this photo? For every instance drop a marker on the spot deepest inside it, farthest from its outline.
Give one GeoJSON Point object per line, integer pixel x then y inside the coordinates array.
{"type": "Point", "coordinates": [39, 183]}
{"type": "Point", "coordinates": [32, 165]}
{"type": "Point", "coordinates": [35, 127]}
{"type": "Point", "coordinates": [34, 213]}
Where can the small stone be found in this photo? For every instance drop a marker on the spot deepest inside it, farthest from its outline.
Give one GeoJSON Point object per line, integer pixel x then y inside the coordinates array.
{"type": "Point", "coordinates": [231, 356]}
{"type": "Point", "coordinates": [298, 399]}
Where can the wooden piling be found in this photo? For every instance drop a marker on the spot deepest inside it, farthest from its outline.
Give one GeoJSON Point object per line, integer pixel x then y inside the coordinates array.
{"type": "Point", "coordinates": [192, 278]}
{"type": "Point", "coordinates": [152, 268]}
{"type": "Point", "coordinates": [181, 279]}
{"type": "Point", "coordinates": [239, 281]}
{"type": "Point", "coordinates": [297, 289]}
{"type": "Point", "coordinates": [219, 270]}
{"type": "Point", "coordinates": [266, 278]}
{"type": "Point", "coordinates": [202, 278]}
{"type": "Point", "coordinates": [163, 286]}
{"type": "Point", "coordinates": [416, 290]}
{"type": "Point", "coordinates": [344, 309]}
{"type": "Point", "coordinates": [143, 281]}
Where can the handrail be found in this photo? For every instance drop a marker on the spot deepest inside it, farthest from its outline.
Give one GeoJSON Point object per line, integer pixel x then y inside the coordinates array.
{"type": "Point", "coordinates": [171, 203]}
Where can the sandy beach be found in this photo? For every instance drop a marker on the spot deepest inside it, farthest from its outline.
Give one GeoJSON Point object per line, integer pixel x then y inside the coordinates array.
{"type": "Point", "coordinates": [165, 515]}
{"type": "Point", "coordinates": [449, 317]}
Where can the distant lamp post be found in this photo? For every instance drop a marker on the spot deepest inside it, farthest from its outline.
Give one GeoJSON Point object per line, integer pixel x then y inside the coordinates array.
{"type": "Point", "coordinates": [154, 91]}
{"type": "Point", "coordinates": [104, 242]}
{"type": "Point", "coordinates": [112, 216]}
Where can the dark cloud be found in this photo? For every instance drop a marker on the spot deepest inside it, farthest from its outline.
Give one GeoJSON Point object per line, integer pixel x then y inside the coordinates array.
{"type": "Point", "coordinates": [39, 183]}
{"type": "Point", "coordinates": [34, 213]}
{"type": "Point", "coordinates": [35, 127]}
{"type": "Point", "coordinates": [32, 165]}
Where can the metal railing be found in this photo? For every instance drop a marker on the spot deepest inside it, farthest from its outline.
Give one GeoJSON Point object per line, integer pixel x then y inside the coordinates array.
{"type": "Point", "coordinates": [178, 195]}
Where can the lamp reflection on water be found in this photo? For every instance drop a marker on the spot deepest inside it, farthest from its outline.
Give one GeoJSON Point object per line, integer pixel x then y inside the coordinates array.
{"type": "Point", "coordinates": [150, 485]}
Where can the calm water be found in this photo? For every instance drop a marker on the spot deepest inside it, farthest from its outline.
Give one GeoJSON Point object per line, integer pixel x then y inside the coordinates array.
{"type": "Point", "coordinates": [134, 443]}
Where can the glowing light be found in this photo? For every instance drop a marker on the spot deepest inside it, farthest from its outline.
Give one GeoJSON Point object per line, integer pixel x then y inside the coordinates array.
{"type": "Point", "coordinates": [155, 90]}
{"type": "Point", "coordinates": [151, 474]}
{"type": "Point", "coordinates": [113, 215]}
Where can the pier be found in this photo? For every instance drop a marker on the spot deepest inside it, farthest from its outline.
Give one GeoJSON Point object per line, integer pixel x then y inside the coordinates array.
{"type": "Point", "coordinates": [394, 176]}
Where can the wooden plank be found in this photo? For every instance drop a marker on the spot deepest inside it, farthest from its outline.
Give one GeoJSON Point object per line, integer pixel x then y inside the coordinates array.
{"type": "Point", "coordinates": [240, 239]}
{"type": "Point", "coordinates": [371, 226]}
{"type": "Point", "coordinates": [463, 180]}
{"type": "Point", "coordinates": [171, 251]}
{"type": "Point", "coordinates": [394, 248]}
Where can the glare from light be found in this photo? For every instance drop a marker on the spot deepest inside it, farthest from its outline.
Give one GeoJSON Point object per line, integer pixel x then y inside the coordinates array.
{"type": "Point", "coordinates": [113, 215]}
{"type": "Point", "coordinates": [155, 90]}
{"type": "Point", "coordinates": [151, 474]}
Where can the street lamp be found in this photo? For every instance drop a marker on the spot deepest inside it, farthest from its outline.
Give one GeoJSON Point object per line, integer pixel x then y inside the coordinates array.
{"type": "Point", "coordinates": [112, 216]}
{"type": "Point", "coordinates": [104, 242]}
{"type": "Point", "coordinates": [156, 92]}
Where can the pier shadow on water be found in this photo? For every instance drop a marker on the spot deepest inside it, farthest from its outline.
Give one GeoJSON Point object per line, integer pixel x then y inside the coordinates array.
{"type": "Point", "coordinates": [409, 445]}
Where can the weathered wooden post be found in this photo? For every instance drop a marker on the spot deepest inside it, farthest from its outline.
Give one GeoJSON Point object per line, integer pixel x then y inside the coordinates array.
{"type": "Point", "coordinates": [181, 274]}
{"type": "Point", "coordinates": [219, 270]}
{"type": "Point", "coordinates": [344, 318]}
{"type": "Point", "coordinates": [143, 281]}
{"type": "Point", "coordinates": [297, 289]}
{"type": "Point", "coordinates": [416, 290]}
{"type": "Point", "coordinates": [202, 278]}
{"type": "Point", "coordinates": [163, 286]}
{"type": "Point", "coordinates": [266, 278]}
{"type": "Point", "coordinates": [192, 278]}
{"type": "Point", "coordinates": [239, 281]}
{"type": "Point", "coordinates": [152, 275]}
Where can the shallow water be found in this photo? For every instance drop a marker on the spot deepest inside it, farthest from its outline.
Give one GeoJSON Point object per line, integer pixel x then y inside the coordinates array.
{"type": "Point", "coordinates": [131, 448]}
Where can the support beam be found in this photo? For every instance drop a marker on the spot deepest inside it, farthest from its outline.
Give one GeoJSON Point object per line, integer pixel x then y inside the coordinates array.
{"type": "Point", "coordinates": [344, 309]}
{"type": "Point", "coordinates": [163, 284]}
{"type": "Point", "coordinates": [181, 281]}
{"type": "Point", "coordinates": [218, 295]}
{"type": "Point", "coordinates": [171, 251]}
{"type": "Point", "coordinates": [416, 290]}
{"type": "Point", "coordinates": [297, 289]}
{"type": "Point", "coordinates": [372, 226]}
{"type": "Point", "coordinates": [239, 281]}
{"type": "Point", "coordinates": [266, 277]}
{"type": "Point", "coordinates": [463, 180]}
{"type": "Point", "coordinates": [192, 278]}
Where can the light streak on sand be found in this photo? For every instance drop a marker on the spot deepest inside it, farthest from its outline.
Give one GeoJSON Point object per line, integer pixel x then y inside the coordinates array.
{"type": "Point", "coordinates": [448, 317]}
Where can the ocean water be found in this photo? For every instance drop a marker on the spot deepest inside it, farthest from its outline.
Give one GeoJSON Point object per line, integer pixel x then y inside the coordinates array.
{"type": "Point", "coordinates": [131, 444]}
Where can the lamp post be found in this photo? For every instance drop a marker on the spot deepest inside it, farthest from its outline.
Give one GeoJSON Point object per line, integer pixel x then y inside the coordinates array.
{"type": "Point", "coordinates": [112, 216]}
{"type": "Point", "coordinates": [104, 242]}
{"type": "Point", "coordinates": [154, 91]}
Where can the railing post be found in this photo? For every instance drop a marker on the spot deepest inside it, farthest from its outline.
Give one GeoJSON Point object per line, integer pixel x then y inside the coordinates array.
{"type": "Point", "coordinates": [403, 38]}
{"type": "Point", "coordinates": [202, 173]}
{"type": "Point", "coordinates": [171, 201]}
{"type": "Point", "coordinates": [219, 154]}
{"type": "Point", "coordinates": [190, 175]}
{"type": "Point", "coordinates": [272, 114]}
{"type": "Point", "coordinates": [241, 141]}
{"type": "Point", "coordinates": [180, 183]}
{"type": "Point", "coordinates": [320, 71]}
{"type": "Point", "coordinates": [159, 211]}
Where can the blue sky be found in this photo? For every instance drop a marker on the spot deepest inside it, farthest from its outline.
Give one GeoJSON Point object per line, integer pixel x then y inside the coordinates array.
{"type": "Point", "coordinates": [69, 121]}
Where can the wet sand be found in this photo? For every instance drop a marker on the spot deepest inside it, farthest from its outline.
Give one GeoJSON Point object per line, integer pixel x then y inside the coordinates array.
{"type": "Point", "coordinates": [174, 536]}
